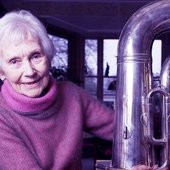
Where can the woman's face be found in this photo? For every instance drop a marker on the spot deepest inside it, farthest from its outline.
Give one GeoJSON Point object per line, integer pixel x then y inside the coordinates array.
{"type": "Point", "coordinates": [26, 67]}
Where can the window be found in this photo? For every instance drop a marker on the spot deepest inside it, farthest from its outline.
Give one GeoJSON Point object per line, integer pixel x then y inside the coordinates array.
{"type": "Point", "coordinates": [91, 66]}
{"type": "Point", "coordinates": [109, 71]}
{"type": "Point", "coordinates": [110, 66]}
{"type": "Point", "coordinates": [60, 60]}
{"type": "Point", "coordinates": [157, 58]}
{"type": "Point", "coordinates": [110, 57]}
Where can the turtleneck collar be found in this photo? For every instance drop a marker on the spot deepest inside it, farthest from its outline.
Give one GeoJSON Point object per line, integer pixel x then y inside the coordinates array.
{"type": "Point", "coordinates": [21, 103]}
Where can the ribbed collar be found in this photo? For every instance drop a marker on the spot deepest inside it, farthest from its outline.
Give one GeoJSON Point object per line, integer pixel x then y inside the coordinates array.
{"type": "Point", "coordinates": [23, 103]}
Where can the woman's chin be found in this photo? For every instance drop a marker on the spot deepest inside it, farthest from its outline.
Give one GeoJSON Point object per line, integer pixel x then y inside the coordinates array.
{"type": "Point", "coordinates": [32, 93]}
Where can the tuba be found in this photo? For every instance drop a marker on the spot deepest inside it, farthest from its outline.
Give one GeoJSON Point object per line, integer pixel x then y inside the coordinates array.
{"type": "Point", "coordinates": [134, 141]}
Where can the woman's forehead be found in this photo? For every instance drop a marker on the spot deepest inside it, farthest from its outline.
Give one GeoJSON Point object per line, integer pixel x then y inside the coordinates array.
{"type": "Point", "coordinates": [21, 48]}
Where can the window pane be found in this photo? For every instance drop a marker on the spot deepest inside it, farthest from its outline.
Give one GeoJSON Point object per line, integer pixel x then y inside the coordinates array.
{"type": "Point", "coordinates": [110, 60]}
{"type": "Point", "coordinates": [110, 54]}
{"type": "Point", "coordinates": [156, 53]}
{"type": "Point", "coordinates": [110, 66]}
{"type": "Point", "coordinates": [91, 57]}
{"type": "Point", "coordinates": [91, 66]}
{"type": "Point", "coordinates": [109, 90]}
{"type": "Point", "coordinates": [109, 70]}
{"type": "Point", "coordinates": [60, 60]}
{"type": "Point", "coordinates": [91, 85]}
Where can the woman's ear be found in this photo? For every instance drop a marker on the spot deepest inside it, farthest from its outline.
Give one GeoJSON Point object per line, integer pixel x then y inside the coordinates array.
{"type": "Point", "coordinates": [2, 76]}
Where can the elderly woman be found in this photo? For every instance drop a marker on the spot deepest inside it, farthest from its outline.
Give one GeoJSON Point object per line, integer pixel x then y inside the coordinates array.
{"type": "Point", "coordinates": [41, 120]}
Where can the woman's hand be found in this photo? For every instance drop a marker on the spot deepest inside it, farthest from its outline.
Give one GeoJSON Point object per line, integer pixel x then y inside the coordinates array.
{"type": "Point", "coordinates": [141, 167]}
{"type": "Point", "coordinates": [145, 167]}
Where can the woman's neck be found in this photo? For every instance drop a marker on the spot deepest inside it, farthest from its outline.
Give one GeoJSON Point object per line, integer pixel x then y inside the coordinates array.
{"type": "Point", "coordinates": [21, 103]}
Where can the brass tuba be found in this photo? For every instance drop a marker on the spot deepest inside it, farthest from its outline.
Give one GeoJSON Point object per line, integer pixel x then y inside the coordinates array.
{"type": "Point", "coordinates": [133, 140]}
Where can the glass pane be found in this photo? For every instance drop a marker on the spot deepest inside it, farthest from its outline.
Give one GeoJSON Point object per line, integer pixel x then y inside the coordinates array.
{"type": "Point", "coordinates": [91, 57]}
{"type": "Point", "coordinates": [60, 60]}
{"type": "Point", "coordinates": [109, 85]}
{"type": "Point", "coordinates": [110, 60]}
{"type": "Point", "coordinates": [109, 91]}
{"type": "Point", "coordinates": [156, 53]}
{"type": "Point", "coordinates": [91, 85]}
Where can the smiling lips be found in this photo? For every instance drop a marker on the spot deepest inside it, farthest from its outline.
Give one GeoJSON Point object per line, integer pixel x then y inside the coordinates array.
{"type": "Point", "coordinates": [32, 84]}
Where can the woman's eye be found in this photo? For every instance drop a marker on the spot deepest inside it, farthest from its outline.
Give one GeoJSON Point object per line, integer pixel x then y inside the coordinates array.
{"type": "Point", "coordinates": [14, 61]}
{"type": "Point", "coordinates": [36, 57]}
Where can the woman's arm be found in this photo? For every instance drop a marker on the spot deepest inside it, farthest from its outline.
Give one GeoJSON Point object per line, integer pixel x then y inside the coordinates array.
{"type": "Point", "coordinates": [14, 154]}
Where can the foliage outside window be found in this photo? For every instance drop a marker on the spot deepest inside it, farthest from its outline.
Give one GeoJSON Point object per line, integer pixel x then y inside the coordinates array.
{"type": "Point", "coordinates": [110, 65]}
{"type": "Point", "coordinates": [59, 63]}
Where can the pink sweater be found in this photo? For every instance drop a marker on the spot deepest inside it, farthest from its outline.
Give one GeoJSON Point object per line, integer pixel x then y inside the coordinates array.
{"type": "Point", "coordinates": [46, 133]}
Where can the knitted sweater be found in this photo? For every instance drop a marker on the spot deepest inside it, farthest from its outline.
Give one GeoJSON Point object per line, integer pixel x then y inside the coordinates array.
{"type": "Point", "coordinates": [46, 133]}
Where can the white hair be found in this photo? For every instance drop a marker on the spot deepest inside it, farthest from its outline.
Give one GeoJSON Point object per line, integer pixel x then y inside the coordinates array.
{"type": "Point", "coordinates": [16, 26]}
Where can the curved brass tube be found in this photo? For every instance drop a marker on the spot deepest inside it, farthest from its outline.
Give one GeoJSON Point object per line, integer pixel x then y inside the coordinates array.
{"type": "Point", "coordinates": [134, 82]}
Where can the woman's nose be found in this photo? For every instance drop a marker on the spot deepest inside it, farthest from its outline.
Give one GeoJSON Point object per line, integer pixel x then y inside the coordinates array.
{"type": "Point", "coordinates": [28, 69]}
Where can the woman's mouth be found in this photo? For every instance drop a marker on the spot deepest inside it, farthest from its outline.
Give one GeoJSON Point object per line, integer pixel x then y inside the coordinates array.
{"type": "Point", "coordinates": [32, 84]}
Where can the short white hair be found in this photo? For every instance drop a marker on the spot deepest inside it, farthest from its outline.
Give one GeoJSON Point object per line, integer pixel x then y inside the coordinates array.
{"type": "Point", "coordinates": [16, 26]}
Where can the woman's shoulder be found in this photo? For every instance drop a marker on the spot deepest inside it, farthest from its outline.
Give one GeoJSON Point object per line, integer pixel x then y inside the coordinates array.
{"type": "Point", "coordinates": [70, 88]}
{"type": "Point", "coordinates": [67, 85]}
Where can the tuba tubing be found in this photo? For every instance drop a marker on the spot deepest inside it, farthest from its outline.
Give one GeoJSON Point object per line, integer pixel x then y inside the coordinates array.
{"type": "Point", "coordinates": [134, 81]}
{"type": "Point", "coordinates": [150, 140]}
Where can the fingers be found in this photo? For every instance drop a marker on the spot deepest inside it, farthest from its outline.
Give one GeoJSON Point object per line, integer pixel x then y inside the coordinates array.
{"type": "Point", "coordinates": [145, 167]}
{"type": "Point", "coordinates": [155, 167]}
{"type": "Point", "coordinates": [141, 167]}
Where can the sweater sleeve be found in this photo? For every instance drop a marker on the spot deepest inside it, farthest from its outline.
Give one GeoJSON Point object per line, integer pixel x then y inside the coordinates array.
{"type": "Point", "coordinates": [98, 119]}
{"type": "Point", "coordinates": [13, 153]}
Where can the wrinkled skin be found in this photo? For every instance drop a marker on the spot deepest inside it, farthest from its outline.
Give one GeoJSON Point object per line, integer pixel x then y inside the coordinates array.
{"type": "Point", "coordinates": [145, 167]}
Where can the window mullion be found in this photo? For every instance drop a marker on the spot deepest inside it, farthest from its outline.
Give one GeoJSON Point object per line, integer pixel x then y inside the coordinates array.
{"type": "Point", "coordinates": [100, 69]}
